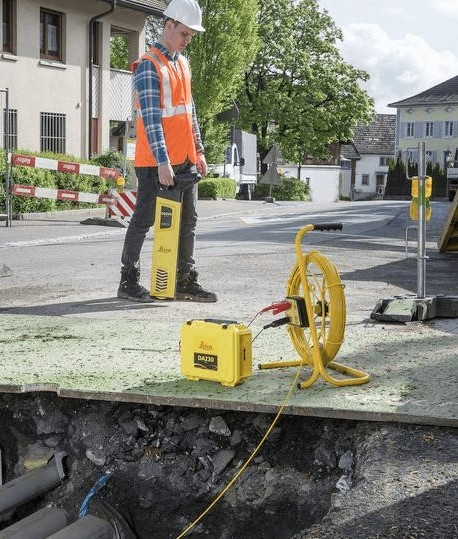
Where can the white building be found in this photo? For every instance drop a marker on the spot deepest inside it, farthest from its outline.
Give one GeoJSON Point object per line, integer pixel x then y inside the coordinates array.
{"type": "Point", "coordinates": [55, 62]}
{"type": "Point", "coordinates": [430, 116]}
{"type": "Point", "coordinates": [365, 159]}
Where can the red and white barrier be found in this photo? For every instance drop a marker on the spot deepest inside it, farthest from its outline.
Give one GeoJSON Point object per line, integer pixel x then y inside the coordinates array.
{"type": "Point", "coordinates": [60, 194]}
{"type": "Point", "coordinates": [64, 166]}
{"type": "Point", "coordinates": [123, 204]}
{"type": "Point", "coordinates": [118, 204]}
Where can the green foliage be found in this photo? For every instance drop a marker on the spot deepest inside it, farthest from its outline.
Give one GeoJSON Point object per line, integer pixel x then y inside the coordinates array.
{"type": "Point", "coordinates": [439, 176]}
{"type": "Point", "coordinates": [109, 159]}
{"type": "Point", "coordinates": [216, 141]}
{"type": "Point", "coordinates": [396, 180]}
{"type": "Point", "coordinates": [290, 189]}
{"type": "Point", "coordinates": [49, 179]}
{"type": "Point", "coordinates": [299, 93]}
{"type": "Point", "coordinates": [397, 184]}
{"type": "Point", "coordinates": [119, 52]}
{"type": "Point", "coordinates": [219, 57]}
{"type": "Point", "coordinates": [217, 188]}
{"type": "Point", "coordinates": [114, 159]}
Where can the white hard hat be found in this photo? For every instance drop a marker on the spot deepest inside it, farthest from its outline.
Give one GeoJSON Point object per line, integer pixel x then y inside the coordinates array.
{"type": "Point", "coordinates": [187, 12]}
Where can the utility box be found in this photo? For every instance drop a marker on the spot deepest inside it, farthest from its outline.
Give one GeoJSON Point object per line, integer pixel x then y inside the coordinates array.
{"type": "Point", "coordinates": [216, 350]}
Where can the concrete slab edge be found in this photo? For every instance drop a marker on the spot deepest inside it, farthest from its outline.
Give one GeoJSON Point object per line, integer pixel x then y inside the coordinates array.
{"type": "Point", "coordinates": [214, 404]}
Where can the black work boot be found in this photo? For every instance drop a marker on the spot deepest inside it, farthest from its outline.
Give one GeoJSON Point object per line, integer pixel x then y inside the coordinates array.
{"type": "Point", "coordinates": [131, 289]}
{"type": "Point", "coordinates": [188, 289]}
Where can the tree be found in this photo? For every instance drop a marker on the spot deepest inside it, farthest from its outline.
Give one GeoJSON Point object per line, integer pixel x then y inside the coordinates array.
{"type": "Point", "coordinates": [119, 52]}
{"type": "Point", "coordinates": [397, 184]}
{"type": "Point", "coordinates": [298, 92]}
{"type": "Point", "coordinates": [219, 57]}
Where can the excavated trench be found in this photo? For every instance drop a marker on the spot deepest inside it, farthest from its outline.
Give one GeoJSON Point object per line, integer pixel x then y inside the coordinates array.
{"type": "Point", "coordinates": [148, 472]}
{"type": "Point", "coordinates": [167, 464]}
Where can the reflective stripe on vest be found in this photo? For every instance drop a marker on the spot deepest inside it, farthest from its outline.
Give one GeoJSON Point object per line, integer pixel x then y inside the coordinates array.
{"type": "Point", "coordinates": [167, 107]}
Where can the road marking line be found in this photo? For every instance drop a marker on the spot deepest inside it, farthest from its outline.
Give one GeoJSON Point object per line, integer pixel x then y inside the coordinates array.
{"type": "Point", "coordinates": [62, 239]}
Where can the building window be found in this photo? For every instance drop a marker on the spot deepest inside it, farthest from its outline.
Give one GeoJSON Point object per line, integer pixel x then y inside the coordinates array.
{"type": "Point", "coordinates": [412, 156]}
{"type": "Point", "coordinates": [345, 164]}
{"type": "Point", "coordinates": [7, 26]}
{"type": "Point", "coordinates": [429, 155]}
{"type": "Point", "coordinates": [119, 49]}
{"type": "Point", "coordinates": [447, 158]}
{"type": "Point", "coordinates": [10, 129]}
{"type": "Point", "coordinates": [384, 161]}
{"type": "Point", "coordinates": [448, 129]}
{"type": "Point", "coordinates": [52, 132]}
{"type": "Point", "coordinates": [50, 35]}
{"type": "Point", "coordinates": [429, 129]}
{"type": "Point", "coordinates": [409, 129]}
{"type": "Point", "coordinates": [365, 179]}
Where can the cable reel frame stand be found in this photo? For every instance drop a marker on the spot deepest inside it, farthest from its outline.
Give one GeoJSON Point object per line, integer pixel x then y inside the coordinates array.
{"type": "Point", "coordinates": [315, 283]}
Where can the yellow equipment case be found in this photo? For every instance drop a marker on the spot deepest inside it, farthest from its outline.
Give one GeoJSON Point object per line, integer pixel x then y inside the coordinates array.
{"type": "Point", "coordinates": [217, 350]}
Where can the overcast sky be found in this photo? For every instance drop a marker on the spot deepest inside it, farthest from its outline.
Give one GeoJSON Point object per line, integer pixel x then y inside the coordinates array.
{"type": "Point", "coordinates": [406, 46]}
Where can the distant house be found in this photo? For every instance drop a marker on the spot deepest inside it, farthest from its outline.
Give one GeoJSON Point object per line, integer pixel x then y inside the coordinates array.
{"type": "Point", "coordinates": [321, 175]}
{"type": "Point", "coordinates": [365, 159]}
{"type": "Point", "coordinates": [55, 62]}
{"type": "Point", "coordinates": [430, 116]}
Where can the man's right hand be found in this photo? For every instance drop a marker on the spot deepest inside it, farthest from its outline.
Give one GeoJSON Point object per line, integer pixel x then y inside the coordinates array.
{"type": "Point", "coordinates": [166, 175]}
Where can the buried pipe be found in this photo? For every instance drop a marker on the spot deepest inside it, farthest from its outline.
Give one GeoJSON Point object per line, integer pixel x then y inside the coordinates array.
{"type": "Point", "coordinates": [31, 485]}
{"type": "Point", "coordinates": [88, 527]}
{"type": "Point", "coordinates": [39, 525]}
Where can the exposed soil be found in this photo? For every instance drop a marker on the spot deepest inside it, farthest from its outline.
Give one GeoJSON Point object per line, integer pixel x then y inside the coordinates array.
{"type": "Point", "coordinates": [313, 478]}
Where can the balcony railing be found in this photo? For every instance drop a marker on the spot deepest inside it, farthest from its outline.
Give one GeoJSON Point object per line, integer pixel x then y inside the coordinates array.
{"type": "Point", "coordinates": [120, 93]}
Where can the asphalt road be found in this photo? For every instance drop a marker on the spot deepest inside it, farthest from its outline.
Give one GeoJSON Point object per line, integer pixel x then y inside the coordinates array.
{"type": "Point", "coordinates": [244, 253]}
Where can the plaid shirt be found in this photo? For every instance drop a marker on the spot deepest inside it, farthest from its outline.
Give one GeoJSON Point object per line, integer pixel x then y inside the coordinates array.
{"type": "Point", "coordinates": [146, 82]}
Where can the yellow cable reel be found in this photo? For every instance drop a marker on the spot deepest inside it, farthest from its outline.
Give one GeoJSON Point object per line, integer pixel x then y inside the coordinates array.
{"type": "Point", "coordinates": [328, 306]}
{"type": "Point", "coordinates": [317, 341]}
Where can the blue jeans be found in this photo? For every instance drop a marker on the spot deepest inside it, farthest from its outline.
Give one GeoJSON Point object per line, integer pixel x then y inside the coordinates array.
{"type": "Point", "coordinates": [143, 219]}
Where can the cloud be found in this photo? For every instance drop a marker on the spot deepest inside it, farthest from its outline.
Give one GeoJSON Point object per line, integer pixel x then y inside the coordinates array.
{"type": "Point", "coordinates": [448, 7]}
{"type": "Point", "coordinates": [398, 68]}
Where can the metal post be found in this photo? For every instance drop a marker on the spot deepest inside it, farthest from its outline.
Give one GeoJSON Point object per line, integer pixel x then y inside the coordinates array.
{"type": "Point", "coordinates": [421, 256]}
{"type": "Point", "coordinates": [6, 146]}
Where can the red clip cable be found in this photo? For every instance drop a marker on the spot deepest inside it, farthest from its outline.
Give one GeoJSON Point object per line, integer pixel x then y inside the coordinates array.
{"type": "Point", "coordinates": [277, 307]}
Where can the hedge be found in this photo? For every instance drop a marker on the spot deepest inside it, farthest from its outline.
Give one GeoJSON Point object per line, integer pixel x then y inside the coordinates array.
{"type": "Point", "coordinates": [290, 189]}
{"type": "Point", "coordinates": [217, 188]}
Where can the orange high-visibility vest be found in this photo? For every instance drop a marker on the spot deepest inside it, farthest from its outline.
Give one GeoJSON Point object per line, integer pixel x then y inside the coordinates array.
{"type": "Point", "coordinates": [176, 110]}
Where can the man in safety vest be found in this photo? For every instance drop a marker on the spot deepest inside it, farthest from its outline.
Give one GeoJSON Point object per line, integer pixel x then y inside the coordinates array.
{"type": "Point", "coordinates": [168, 143]}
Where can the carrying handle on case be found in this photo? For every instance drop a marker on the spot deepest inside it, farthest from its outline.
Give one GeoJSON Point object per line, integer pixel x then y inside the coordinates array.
{"type": "Point", "coordinates": [182, 182]}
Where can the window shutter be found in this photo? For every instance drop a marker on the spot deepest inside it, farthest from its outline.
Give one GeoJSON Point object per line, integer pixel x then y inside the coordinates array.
{"type": "Point", "coordinates": [438, 129]}
{"type": "Point", "coordinates": [418, 130]}
{"type": "Point", "coordinates": [403, 130]}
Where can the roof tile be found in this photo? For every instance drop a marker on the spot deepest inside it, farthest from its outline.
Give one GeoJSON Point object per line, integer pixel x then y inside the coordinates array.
{"type": "Point", "coordinates": [445, 92]}
{"type": "Point", "coordinates": [377, 137]}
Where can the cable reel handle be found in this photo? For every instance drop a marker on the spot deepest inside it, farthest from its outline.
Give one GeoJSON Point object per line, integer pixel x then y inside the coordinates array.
{"type": "Point", "coordinates": [328, 226]}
